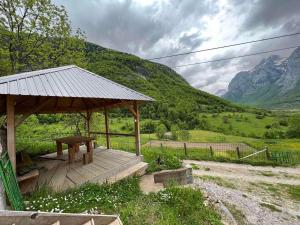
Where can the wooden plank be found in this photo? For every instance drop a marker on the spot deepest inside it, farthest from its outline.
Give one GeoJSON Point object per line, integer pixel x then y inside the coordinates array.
{"type": "Point", "coordinates": [95, 169]}
{"type": "Point", "coordinates": [32, 174]}
{"type": "Point", "coordinates": [123, 153]}
{"type": "Point", "coordinates": [11, 132]}
{"type": "Point", "coordinates": [114, 158]}
{"type": "Point", "coordinates": [85, 175]}
{"type": "Point", "coordinates": [59, 177]}
{"type": "Point", "coordinates": [118, 156]}
{"type": "Point", "coordinates": [75, 177]}
{"type": "Point", "coordinates": [108, 164]}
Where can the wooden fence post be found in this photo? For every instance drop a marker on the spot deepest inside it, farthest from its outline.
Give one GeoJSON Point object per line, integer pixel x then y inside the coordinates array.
{"type": "Point", "coordinates": [238, 152]}
{"type": "Point", "coordinates": [211, 151]}
{"type": "Point", "coordinates": [267, 153]}
{"type": "Point", "coordinates": [185, 149]}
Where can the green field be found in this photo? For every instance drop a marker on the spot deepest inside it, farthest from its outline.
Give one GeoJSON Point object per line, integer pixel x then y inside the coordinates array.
{"type": "Point", "coordinates": [37, 137]}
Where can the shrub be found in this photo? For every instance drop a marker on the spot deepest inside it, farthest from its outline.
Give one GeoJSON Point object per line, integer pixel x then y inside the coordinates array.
{"type": "Point", "coordinates": [259, 116]}
{"type": "Point", "coordinates": [160, 131]}
{"type": "Point", "coordinates": [274, 134]}
{"type": "Point", "coordinates": [294, 129]}
{"type": "Point", "coordinates": [148, 126]}
{"type": "Point", "coordinates": [268, 126]}
{"type": "Point", "coordinates": [175, 132]}
{"type": "Point", "coordinates": [283, 123]}
{"type": "Point", "coordinates": [225, 119]}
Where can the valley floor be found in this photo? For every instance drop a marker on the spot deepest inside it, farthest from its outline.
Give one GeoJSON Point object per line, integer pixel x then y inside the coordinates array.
{"type": "Point", "coordinates": [252, 194]}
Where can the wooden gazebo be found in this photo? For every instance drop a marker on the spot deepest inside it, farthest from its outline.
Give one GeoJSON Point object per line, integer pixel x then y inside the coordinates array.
{"type": "Point", "coordinates": [67, 89]}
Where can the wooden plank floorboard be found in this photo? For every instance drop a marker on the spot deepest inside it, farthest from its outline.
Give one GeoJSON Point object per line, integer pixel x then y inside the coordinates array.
{"type": "Point", "coordinates": [115, 158]}
{"type": "Point", "coordinates": [86, 175]}
{"type": "Point", "coordinates": [76, 177]}
{"type": "Point", "coordinates": [106, 163]}
{"type": "Point", "coordinates": [107, 160]}
{"type": "Point", "coordinates": [119, 154]}
{"type": "Point", "coordinates": [59, 177]}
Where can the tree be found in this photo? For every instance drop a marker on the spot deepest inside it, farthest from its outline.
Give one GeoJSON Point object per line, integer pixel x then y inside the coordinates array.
{"type": "Point", "coordinates": [37, 34]}
{"type": "Point", "coordinates": [294, 129]}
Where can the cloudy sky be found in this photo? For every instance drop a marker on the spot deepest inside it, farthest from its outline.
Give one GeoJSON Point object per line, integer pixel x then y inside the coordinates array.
{"type": "Point", "coordinates": [161, 27]}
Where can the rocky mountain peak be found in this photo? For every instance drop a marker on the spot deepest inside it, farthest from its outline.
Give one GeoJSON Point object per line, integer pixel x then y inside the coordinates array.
{"type": "Point", "coordinates": [272, 78]}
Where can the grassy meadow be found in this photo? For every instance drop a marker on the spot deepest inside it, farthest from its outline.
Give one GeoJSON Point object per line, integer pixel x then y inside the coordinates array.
{"type": "Point", "coordinates": [174, 205]}
{"type": "Point", "coordinates": [36, 135]}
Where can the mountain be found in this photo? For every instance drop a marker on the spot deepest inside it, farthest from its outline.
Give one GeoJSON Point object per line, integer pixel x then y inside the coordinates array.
{"type": "Point", "coordinates": [175, 98]}
{"type": "Point", "coordinates": [272, 83]}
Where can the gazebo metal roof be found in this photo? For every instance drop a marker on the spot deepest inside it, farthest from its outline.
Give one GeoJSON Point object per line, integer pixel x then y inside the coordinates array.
{"type": "Point", "coordinates": [66, 89]}
{"type": "Point", "coordinates": [66, 81]}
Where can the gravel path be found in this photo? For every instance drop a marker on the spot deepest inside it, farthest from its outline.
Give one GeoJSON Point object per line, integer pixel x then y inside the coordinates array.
{"type": "Point", "coordinates": [279, 175]}
{"type": "Point", "coordinates": [249, 205]}
{"type": "Point", "coordinates": [250, 191]}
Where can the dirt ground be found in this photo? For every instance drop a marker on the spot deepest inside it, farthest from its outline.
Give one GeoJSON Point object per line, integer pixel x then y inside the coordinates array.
{"type": "Point", "coordinates": [252, 194]}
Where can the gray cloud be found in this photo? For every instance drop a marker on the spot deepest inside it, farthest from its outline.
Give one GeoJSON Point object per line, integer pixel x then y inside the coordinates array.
{"type": "Point", "coordinates": [271, 13]}
{"type": "Point", "coordinates": [165, 27]}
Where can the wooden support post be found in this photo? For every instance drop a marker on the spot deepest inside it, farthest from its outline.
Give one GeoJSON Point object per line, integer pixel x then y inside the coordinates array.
{"type": "Point", "coordinates": [11, 133]}
{"type": "Point", "coordinates": [137, 129]}
{"type": "Point", "coordinates": [59, 149]}
{"type": "Point", "coordinates": [238, 152]}
{"type": "Point", "coordinates": [267, 153]}
{"type": "Point", "coordinates": [107, 128]}
{"type": "Point", "coordinates": [211, 151]}
{"type": "Point", "coordinates": [88, 123]}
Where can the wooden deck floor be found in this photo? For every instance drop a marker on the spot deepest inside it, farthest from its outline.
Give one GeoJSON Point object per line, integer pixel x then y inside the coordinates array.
{"type": "Point", "coordinates": [60, 175]}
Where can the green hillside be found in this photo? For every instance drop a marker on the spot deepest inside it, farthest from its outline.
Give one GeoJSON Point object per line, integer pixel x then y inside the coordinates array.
{"type": "Point", "coordinates": [175, 98]}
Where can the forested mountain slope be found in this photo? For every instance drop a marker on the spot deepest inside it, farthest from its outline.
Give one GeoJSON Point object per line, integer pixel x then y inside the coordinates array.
{"type": "Point", "coordinates": [176, 99]}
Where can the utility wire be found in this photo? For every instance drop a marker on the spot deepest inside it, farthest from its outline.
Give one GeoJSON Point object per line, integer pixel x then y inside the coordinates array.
{"type": "Point", "coordinates": [226, 46]}
{"type": "Point", "coordinates": [235, 57]}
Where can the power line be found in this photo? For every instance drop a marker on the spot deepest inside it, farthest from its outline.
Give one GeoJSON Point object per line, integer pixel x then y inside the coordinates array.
{"type": "Point", "coordinates": [235, 57]}
{"type": "Point", "coordinates": [225, 46]}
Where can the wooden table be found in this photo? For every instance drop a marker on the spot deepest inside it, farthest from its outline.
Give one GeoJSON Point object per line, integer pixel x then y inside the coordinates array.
{"type": "Point", "coordinates": [73, 143]}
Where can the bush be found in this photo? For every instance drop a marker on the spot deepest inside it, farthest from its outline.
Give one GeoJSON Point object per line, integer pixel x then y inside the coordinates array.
{"type": "Point", "coordinates": [283, 123]}
{"type": "Point", "coordinates": [260, 116]}
{"type": "Point", "coordinates": [268, 126]}
{"type": "Point", "coordinates": [274, 134]}
{"type": "Point", "coordinates": [148, 126]}
{"type": "Point", "coordinates": [175, 132]}
{"type": "Point", "coordinates": [294, 129]}
{"type": "Point", "coordinates": [225, 119]}
{"type": "Point", "coordinates": [160, 131]}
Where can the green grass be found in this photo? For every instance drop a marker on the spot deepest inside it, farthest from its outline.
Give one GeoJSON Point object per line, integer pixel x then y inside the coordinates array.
{"type": "Point", "coordinates": [290, 191]}
{"type": "Point", "coordinates": [219, 181]}
{"type": "Point", "coordinates": [293, 191]}
{"type": "Point", "coordinates": [242, 123]}
{"type": "Point", "coordinates": [271, 207]}
{"type": "Point", "coordinates": [173, 205]}
{"type": "Point", "coordinates": [237, 214]}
